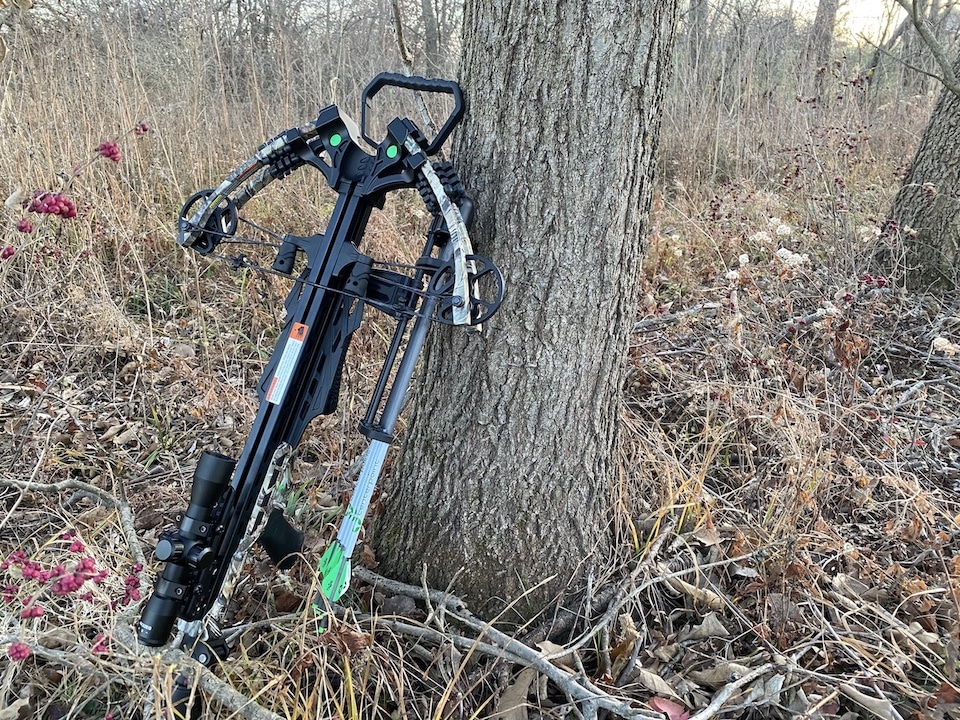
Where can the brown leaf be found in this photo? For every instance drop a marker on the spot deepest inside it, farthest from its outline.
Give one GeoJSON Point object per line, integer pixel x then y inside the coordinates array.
{"type": "Point", "coordinates": [557, 654]}
{"type": "Point", "coordinates": [653, 682]}
{"type": "Point", "coordinates": [948, 694]}
{"type": "Point", "coordinates": [711, 627]}
{"type": "Point", "coordinates": [346, 640]}
{"type": "Point", "coordinates": [512, 705]}
{"type": "Point", "coordinates": [717, 677]}
{"type": "Point", "coordinates": [707, 535]}
{"type": "Point", "coordinates": [621, 654]}
{"type": "Point", "coordinates": [287, 601]}
{"type": "Point", "coordinates": [367, 558]}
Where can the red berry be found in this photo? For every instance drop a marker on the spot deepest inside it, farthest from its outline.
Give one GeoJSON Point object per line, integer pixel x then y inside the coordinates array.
{"type": "Point", "coordinates": [18, 651]}
{"type": "Point", "coordinates": [109, 150]}
{"type": "Point", "coordinates": [31, 611]}
{"type": "Point", "coordinates": [101, 644]}
{"type": "Point", "coordinates": [7, 252]}
{"type": "Point", "coordinates": [24, 226]}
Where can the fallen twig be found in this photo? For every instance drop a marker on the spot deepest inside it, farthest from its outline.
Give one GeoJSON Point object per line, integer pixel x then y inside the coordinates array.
{"type": "Point", "coordinates": [652, 323]}
{"type": "Point", "coordinates": [111, 500]}
{"type": "Point", "coordinates": [506, 648]}
{"type": "Point", "coordinates": [716, 704]}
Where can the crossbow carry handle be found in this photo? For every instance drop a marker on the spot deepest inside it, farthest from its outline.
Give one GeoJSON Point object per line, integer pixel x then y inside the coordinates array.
{"type": "Point", "coordinates": [212, 215]}
{"type": "Point", "coordinates": [429, 85]}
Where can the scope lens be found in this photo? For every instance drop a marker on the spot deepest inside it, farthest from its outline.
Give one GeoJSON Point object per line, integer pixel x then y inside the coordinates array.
{"type": "Point", "coordinates": [157, 620]}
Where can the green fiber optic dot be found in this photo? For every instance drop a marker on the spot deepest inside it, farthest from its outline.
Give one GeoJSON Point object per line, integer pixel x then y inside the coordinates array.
{"type": "Point", "coordinates": [336, 139]}
{"type": "Point", "coordinates": [392, 151]}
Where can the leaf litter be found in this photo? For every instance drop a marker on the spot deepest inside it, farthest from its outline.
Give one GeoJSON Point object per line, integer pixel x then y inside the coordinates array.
{"type": "Point", "coordinates": [788, 544]}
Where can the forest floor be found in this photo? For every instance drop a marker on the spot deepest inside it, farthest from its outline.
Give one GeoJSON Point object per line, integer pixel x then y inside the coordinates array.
{"type": "Point", "coordinates": [790, 475]}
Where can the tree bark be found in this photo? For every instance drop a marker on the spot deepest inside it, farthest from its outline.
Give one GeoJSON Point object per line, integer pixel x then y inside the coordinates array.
{"type": "Point", "coordinates": [925, 215]}
{"type": "Point", "coordinates": [508, 465]}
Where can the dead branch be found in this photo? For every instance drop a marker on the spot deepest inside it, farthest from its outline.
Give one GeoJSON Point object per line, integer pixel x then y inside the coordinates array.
{"type": "Point", "coordinates": [215, 689]}
{"type": "Point", "coordinates": [108, 499]}
{"type": "Point", "coordinates": [949, 78]}
{"type": "Point", "coordinates": [505, 647]}
{"type": "Point", "coordinates": [716, 704]}
{"type": "Point", "coordinates": [653, 323]}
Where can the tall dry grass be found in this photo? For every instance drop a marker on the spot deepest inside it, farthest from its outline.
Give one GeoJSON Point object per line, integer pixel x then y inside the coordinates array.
{"type": "Point", "coordinates": [122, 354]}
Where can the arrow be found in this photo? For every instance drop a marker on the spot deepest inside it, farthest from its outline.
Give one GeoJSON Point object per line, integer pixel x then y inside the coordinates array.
{"type": "Point", "coordinates": [334, 568]}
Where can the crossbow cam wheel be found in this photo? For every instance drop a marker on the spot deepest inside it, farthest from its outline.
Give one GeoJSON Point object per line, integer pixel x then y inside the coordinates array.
{"type": "Point", "coordinates": [222, 223]}
{"type": "Point", "coordinates": [485, 286]}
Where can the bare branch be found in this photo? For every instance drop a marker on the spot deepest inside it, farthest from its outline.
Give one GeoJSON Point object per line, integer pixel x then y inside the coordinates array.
{"type": "Point", "coordinates": [109, 499]}
{"type": "Point", "coordinates": [949, 78]}
{"type": "Point", "coordinates": [716, 704]}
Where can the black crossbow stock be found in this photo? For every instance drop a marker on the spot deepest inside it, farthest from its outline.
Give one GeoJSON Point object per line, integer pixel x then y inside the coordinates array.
{"type": "Point", "coordinates": [235, 503]}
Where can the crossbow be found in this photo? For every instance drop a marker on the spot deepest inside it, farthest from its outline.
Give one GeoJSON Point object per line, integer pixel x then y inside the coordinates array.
{"type": "Point", "coordinates": [235, 503]}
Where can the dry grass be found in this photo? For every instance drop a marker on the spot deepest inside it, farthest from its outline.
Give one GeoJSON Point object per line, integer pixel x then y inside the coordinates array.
{"type": "Point", "coordinates": [789, 495]}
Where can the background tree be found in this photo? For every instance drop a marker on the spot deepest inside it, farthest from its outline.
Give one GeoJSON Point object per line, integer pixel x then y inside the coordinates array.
{"type": "Point", "coordinates": [925, 214]}
{"type": "Point", "coordinates": [924, 219]}
{"type": "Point", "coordinates": [508, 464]}
{"type": "Point", "coordinates": [820, 45]}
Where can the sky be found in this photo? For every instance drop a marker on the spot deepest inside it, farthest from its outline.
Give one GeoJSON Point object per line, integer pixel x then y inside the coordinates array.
{"type": "Point", "coordinates": [869, 17]}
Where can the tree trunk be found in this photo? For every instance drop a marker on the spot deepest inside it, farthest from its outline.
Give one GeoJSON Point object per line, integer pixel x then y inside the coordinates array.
{"type": "Point", "coordinates": [431, 36]}
{"type": "Point", "coordinates": [697, 38]}
{"type": "Point", "coordinates": [820, 46]}
{"type": "Point", "coordinates": [925, 215]}
{"type": "Point", "coordinates": [509, 461]}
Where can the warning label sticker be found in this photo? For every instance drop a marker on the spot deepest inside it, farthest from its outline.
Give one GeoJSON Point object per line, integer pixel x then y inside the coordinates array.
{"type": "Point", "coordinates": [288, 363]}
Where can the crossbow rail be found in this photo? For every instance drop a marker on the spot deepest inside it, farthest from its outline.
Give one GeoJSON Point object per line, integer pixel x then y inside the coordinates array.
{"type": "Point", "coordinates": [234, 503]}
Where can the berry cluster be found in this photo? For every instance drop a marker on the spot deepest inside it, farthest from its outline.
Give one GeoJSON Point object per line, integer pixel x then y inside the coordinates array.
{"type": "Point", "coordinates": [109, 150]}
{"type": "Point", "coordinates": [131, 585]}
{"type": "Point", "coordinates": [28, 581]}
{"type": "Point", "coordinates": [48, 203]}
{"type": "Point", "coordinates": [67, 582]}
{"type": "Point", "coordinates": [101, 644]}
{"type": "Point", "coordinates": [18, 651]}
{"type": "Point", "coordinates": [45, 202]}
{"type": "Point", "coordinates": [870, 280]}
